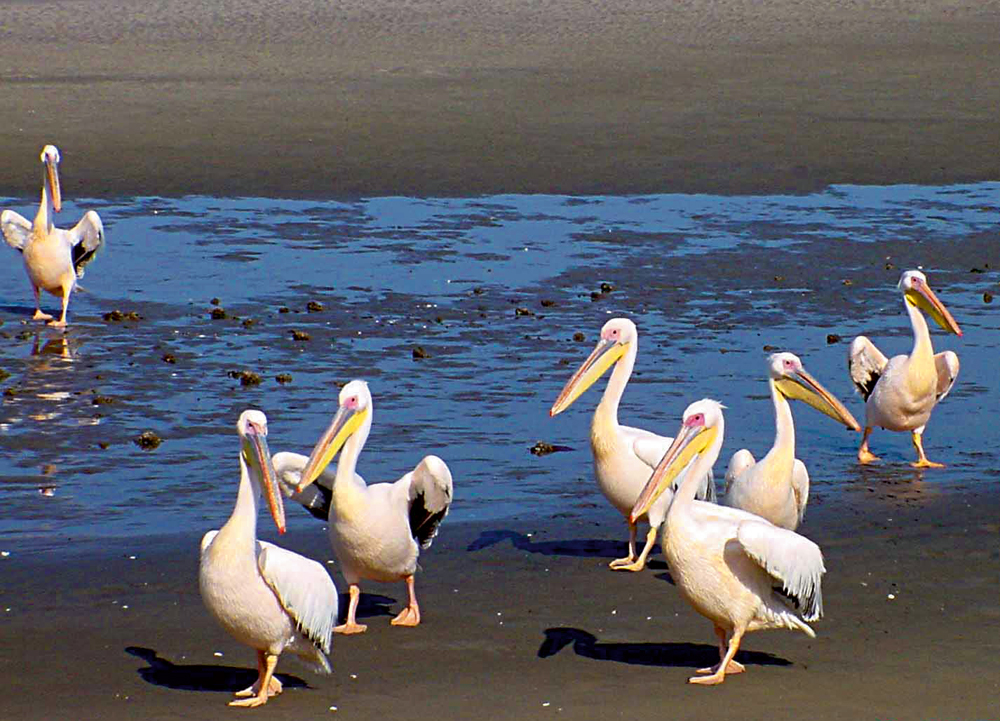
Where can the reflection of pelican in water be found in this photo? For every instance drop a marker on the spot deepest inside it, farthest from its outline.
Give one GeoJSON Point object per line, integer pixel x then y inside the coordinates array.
{"type": "Point", "coordinates": [737, 570]}
{"type": "Point", "coordinates": [266, 597]}
{"type": "Point", "coordinates": [53, 258]}
{"type": "Point", "coordinates": [623, 456]}
{"type": "Point", "coordinates": [900, 392]}
{"type": "Point", "coordinates": [58, 346]}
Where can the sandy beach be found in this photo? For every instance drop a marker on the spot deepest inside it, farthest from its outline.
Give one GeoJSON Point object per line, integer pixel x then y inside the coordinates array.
{"type": "Point", "coordinates": [522, 618]}
{"type": "Point", "coordinates": [461, 97]}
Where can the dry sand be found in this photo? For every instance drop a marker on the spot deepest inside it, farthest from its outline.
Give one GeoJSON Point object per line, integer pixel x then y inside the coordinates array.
{"type": "Point", "coordinates": [459, 97]}
{"type": "Point", "coordinates": [378, 97]}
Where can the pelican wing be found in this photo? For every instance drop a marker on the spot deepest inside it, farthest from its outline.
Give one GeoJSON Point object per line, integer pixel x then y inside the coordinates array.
{"type": "Point", "coordinates": [304, 589]}
{"type": "Point", "coordinates": [430, 490]}
{"type": "Point", "coordinates": [738, 465]}
{"type": "Point", "coordinates": [947, 372]}
{"type": "Point", "coordinates": [792, 560]}
{"type": "Point", "coordinates": [207, 539]}
{"type": "Point", "coordinates": [866, 363]}
{"type": "Point", "coordinates": [315, 498]}
{"type": "Point", "coordinates": [16, 229]}
{"type": "Point", "coordinates": [87, 237]}
{"type": "Point", "coordinates": [800, 487]}
{"type": "Point", "coordinates": [650, 449]}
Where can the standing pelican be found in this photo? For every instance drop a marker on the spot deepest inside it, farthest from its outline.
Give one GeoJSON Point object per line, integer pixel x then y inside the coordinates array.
{"type": "Point", "coordinates": [777, 488]}
{"type": "Point", "coordinates": [264, 596]}
{"type": "Point", "coordinates": [376, 531]}
{"type": "Point", "coordinates": [726, 562]}
{"type": "Point", "coordinates": [53, 258]}
{"type": "Point", "coordinates": [623, 456]}
{"type": "Point", "coordinates": [901, 392]}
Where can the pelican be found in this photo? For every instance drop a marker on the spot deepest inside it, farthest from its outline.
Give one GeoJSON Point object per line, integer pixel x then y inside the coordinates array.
{"type": "Point", "coordinates": [53, 258]}
{"type": "Point", "coordinates": [264, 596]}
{"type": "Point", "coordinates": [376, 531]}
{"type": "Point", "coordinates": [901, 392]}
{"type": "Point", "coordinates": [623, 456]}
{"type": "Point", "coordinates": [727, 562]}
{"type": "Point", "coordinates": [777, 488]}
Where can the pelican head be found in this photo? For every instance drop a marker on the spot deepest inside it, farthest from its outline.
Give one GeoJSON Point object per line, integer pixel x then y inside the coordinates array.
{"type": "Point", "coordinates": [913, 285]}
{"type": "Point", "coordinates": [355, 406]}
{"type": "Point", "coordinates": [252, 428]}
{"type": "Point", "coordinates": [793, 382]}
{"type": "Point", "coordinates": [50, 157]}
{"type": "Point", "coordinates": [617, 336]}
{"type": "Point", "coordinates": [701, 432]}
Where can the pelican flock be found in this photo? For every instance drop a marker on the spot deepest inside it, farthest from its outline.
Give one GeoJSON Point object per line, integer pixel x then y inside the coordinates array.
{"type": "Point", "coordinates": [53, 258]}
{"type": "Point", "coordinates": [266, 597]}
{"type": "Point", "coordinates": [726, 562]}
{"type": "Point", "coordinates": [740, 563]}
{"type": "Point", "coordinates": [776, 488]}
{"type": "Point", "coordinates": [900, 392]}
{"type": "Point", "coordinates": [623, 456]}
{"type": "Point", "coordinates": [378, 530]}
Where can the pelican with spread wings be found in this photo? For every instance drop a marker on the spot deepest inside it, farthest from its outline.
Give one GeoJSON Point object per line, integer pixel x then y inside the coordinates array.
{"type": "Point", "coordinates": [900, 392]}
{"type": "Point", "coordinates": [377, 530]}
{"type": "Point", "coordinates": [53, 258]}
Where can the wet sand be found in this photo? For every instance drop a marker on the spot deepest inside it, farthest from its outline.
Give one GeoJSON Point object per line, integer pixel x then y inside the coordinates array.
{"type": "Point", "coordinates": [374, 98]}
{"type": "Point", "coordinates": [460, 97]}
{"type": "Point", "coordinates": [522, 619]}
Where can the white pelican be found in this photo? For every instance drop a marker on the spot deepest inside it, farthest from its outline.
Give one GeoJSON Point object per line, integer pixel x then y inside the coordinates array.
{"type": "Point", "coordinates": [727, 562]}
{"type": "Point", "coordinates": [623, 456]}
{"type": "Point", "coordinates": [901, 392]}
{"type": "Point", "coordinates": [53, 258]}
{"type": "Point", "coordinates": [264, 596]}
{"type": "Point", "coordinates": [376, 531]}
{"type": "Point", "coordinates": [777, 487]}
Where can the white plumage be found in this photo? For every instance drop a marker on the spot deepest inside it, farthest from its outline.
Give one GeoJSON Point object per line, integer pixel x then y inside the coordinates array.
{"type": "Point", "coordinates": [727, 562]}
{"type": "Point", "coordinates": [777, 487]}
{"type": "Point", "coordinates": [53, 258]}
{"type": "Point", "coordinates": [376, 531]}
{"type": "Point", "coordinates": [623, 456]}
{"type": "Point", "coordinates": [900, 392]}
{"type": "Point", "coordinates": [266, 597]}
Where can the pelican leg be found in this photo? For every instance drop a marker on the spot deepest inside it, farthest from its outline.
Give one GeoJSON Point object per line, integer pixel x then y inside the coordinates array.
{"type": "Point", "coordinates": [864, 455]}
{"type": "Point", "coordinates": [67, 288]}
{"type": "Point", "coordinates": [922, 461]}
{"type": "Point", "coordinates": [351, 626]}
{"type": "Point", "coordinates": [733, 666]}
{"type": "Point", "coordinates": [630, 559]}
{"type": "Point", "coordinates": [725, 664]}
{"type": "Point", "coordinates": [267, 685]}
{"type": "Point", "coordinates": [39, 315]}
{"type": "Point", "coordinates": [640, 562]}
{"type": "Point", "coordinates": [409, 616]}
{"type": "Point", "coordinates": [274, 687]}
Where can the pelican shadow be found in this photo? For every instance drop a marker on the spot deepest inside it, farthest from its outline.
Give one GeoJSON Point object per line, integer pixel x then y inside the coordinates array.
{"type": "Point", "coordinates": [369, 605]}
{"type": "Point", "coordinates": [686, 655]}
{"type": "Point", "coordinates": [580, 548]}
{"type": "Point", "coordinates": [200, 677]}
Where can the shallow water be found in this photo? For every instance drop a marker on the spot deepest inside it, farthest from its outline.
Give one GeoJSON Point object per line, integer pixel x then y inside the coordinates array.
{"type": "Point", "coordinates": [710, 281]}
